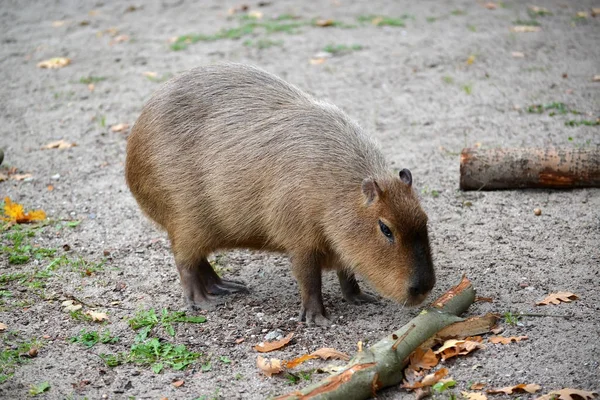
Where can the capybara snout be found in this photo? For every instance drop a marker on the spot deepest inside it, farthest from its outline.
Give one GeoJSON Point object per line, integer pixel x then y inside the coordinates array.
{"type": "Point", "coordinates": [230, 156]}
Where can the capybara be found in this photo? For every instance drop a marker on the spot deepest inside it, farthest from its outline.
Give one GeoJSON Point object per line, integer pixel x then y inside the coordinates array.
{"type": "Point", "coordinates": [230, 156]}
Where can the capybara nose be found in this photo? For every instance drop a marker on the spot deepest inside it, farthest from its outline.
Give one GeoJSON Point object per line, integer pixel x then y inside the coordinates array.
{"type": "Point", "coordinates": [419, 289]}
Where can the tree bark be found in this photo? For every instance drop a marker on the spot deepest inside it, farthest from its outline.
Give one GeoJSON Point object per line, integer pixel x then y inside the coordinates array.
{"type": "Point", "coordinates": [381, 365]}
{"type": "Point", "coordinates": [494, 169]}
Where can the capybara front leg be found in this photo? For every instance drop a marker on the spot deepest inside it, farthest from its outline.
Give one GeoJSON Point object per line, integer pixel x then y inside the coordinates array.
{"type": "Point", "coordinates": [351, 291]}
{"type": "Point", "coordinates": [194, 286]}
{"type": "Point", "coordinates": [307, 270]}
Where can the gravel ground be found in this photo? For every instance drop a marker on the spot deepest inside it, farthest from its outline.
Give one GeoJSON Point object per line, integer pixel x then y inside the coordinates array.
{"type": "Point", "coordinates": [453, 76]}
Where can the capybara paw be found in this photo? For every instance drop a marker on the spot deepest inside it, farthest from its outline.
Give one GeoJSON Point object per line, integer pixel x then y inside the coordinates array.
{"type": "Point", "coordinates": [226, 287]}
{"type": "Point", "coordinates": [361, 298]}
{"type": "Point", "coordinates": [314, 318]}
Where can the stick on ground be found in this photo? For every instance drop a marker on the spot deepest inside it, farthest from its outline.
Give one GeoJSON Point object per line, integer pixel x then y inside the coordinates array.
{"type": "Point", "coordinates": [381, 365]}
{"type": "Point", "coordinates": [494, 169]}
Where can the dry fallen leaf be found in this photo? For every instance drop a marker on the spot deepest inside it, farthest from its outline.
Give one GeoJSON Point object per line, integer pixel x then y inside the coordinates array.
{"type": "Point", "coordinates": [58, 24]}
{"type": "Point", "coordinates": [517, 54]}
{"type": "Point", "coordinates": [324, 22]}
{"type": "Point", "coordinates": [596, 78]}
{"type": "Point", "coordinates": [151, 74]}
{"type": "Point", "coordinates": [525, 28]}
{"type": "Point", "coordinates": [567, 394]}
{"type": "Point", "coordinates": [471, 59]}
{"type": "Point", "coordinates": [428, 380]}
{"type": "Point", "coordinates": [474, 396]}
{"type": "Point", "coordinates": [317, 61]}
{"type": "Point", "coordinates": [422, 393]}
{"type": "Point", "coordinates": [50, 188]}
{"type": "Point", "coordinates": [14, 212]}
{"type": "Point", "coordinates": [453, 348]}
{"type": "Point", "coordinates": [477, 386]}
{"type": "Point", "coordinates": [255, 14]}
{"type": "Point", "coordinates": [522, 387]}
{"type": "Point", "coordinates": [506, 340]}
{"type": "Point", "coordinates": [237, 9]}
{"type": "Point", "coordinates": [2, 327]}
{"type": "Point", "coordinates": [97, 316]}
{"type": "Point", "coordinates": [119, 39]}
{"type": "Point", "coordinates": [178, 383]}
{"type": "Point", "coordinates": [20, 177]}
{"type": "Point", "coordinates": [327, 352]}
{"type": "Point", "coordinates": [59, 144]}
{"type": "Point", "coordinates": [490, 6]}
{"type": "Point", "coordinates": [56, 62]}
{"type": "Point", "coordinates": [119, 127]}
{"type": "Point", "coordinates": [270, 346]}
{"type": "Point", "coordinates": [69, 306]}
{"type": "Point", "coordinates": [91, 87]}
{"type": "Point", "coordinates": [297, 361]}
{"type": "Point", "coordinates": [269, 367]}
{"type": "Point", "coordinates": [420, 359]}
{"type": "Point", "coordinates": [595, 12]}
{"type": "Point", "coordinates": [582, 14]}
{"type": "Point", "coordinates": [556, 298]}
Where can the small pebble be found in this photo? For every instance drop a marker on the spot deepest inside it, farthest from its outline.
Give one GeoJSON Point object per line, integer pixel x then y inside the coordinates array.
{"type": "Point", "coordinates": [55, 177]}
{"type": "Point", "coordinates": [537, 211]}
{"type": "Point", "coordinates": [274, 335]}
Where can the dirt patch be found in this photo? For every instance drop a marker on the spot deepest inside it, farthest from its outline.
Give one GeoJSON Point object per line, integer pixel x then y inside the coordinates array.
{"type": "Point", "coordinates": [426, 80]}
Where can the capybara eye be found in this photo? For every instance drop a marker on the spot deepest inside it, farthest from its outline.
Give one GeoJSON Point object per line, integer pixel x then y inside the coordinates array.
{"type": "Point", "coordinates": [385, 230]}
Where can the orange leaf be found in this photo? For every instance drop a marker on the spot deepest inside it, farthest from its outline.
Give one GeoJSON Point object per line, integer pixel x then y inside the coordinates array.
{"type": "Point", "coordinates": [326, 353]}
{"type": "Point", "coordinates": [421, 359]}
{"type": "Point", "coordinates": [522, 387]}
{"type": "Point", "coordinates": [477, 386]}
{"type": "Point", "coordinates": [178, 383]}
{"type": "Point", "coordinates": [14, 212]}
{"type": "Point", "coordinates": [269, 367]}
{"type": "Point", "coordinates": [507, 340]}
{"type": "Point", "coordinates": [270, 346]}
{"type": "Point", "coordinates": [297, 361]}
{"type": "Point", "coordinates": [428, 380]}
{"type": "Point", "coordinates": [567, 394]}
{"type": "Point", "coordinates": [474, 396]}
{"type": "Point", "coordinates": [453, 348]}
{"type": "Point", "coordinates": [556, 298]}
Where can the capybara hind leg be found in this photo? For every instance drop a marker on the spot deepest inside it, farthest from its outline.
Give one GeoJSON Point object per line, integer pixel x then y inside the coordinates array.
{"type": "Point", "coordinates": [351, 291]}
{"type": "Point", "coordinates": [217, 286]}
{"type": "Point", "coordinates": [307, 271]}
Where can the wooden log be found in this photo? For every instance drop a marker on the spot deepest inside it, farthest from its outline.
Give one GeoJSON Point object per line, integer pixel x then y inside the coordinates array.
{"type": "Point", "coordinates": [493, 169]}
{"type": "Point", "coordinates": [381, 365]}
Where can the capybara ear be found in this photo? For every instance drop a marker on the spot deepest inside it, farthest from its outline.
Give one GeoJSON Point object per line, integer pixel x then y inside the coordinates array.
{"type": "Point", "coordinates": [370, 189]}
{"type": "Point", "coordinates": [406, 177]}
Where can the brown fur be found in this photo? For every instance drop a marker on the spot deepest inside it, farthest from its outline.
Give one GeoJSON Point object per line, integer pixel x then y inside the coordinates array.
{"type": "Point", "coordinates": [229, 156]}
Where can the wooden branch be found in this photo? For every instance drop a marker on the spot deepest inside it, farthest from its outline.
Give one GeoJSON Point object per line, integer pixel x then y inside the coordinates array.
{"type": "Point", "coordinates": [381, 365]}
{"type": "Point", "coordinates": [494, 169]}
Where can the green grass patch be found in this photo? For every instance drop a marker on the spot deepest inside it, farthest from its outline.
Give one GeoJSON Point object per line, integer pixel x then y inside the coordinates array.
{"type": "Point", "coordinates": [153, 353]}
{"type": "Point", "coordinates": [511, 319]}
{"type": "Point", "coordinates": [527, 22]}
{"type": "Point", "coordinates": [458, 12]}
{"type": "Point", "coordinates": [448, 79]}
{"type": "Point", "coordinates": [535, 12]}
{"type": "Point", "coordinates": [91, 338]}
{"type": "Point", "coordinates": [379, 20]}
{"type": "Point", "coordinates": [12, 353]}
{"type": "Point", "coordinates": [40, 388]}
{"type": "Point", "coordinates": [19, 249]}
{"type": "Point", "coordinates": [554, 107]}
{"type": "Point", "coordinates": [262, 43]}
{"type": "Point", "coordinates": [468, 89]}
{"type": "Point", "coordinates": [342, 48]}
{"type": "Point", "coordinates": [144, 321]}
{"type": "Point", "coordinates": [431, 19]}
{"type": "Point", "coordinates": [91, 79]}
{"type": "Point", "coordinates": [472, 28]}
{"type": "Point", "coordinates": [580, 122]}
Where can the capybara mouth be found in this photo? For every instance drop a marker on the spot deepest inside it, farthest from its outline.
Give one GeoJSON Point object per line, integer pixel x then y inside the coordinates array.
{"type": "Point", "coordinates": [412, 301]}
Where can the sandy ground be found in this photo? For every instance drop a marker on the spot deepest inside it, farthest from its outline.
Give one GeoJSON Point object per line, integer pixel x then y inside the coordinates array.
{"type": "Point", "coordinates": [411, 86]}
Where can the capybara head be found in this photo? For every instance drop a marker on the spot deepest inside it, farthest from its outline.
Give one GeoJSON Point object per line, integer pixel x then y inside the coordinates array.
{"type": "Point", "coordinates": [391, 243]}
